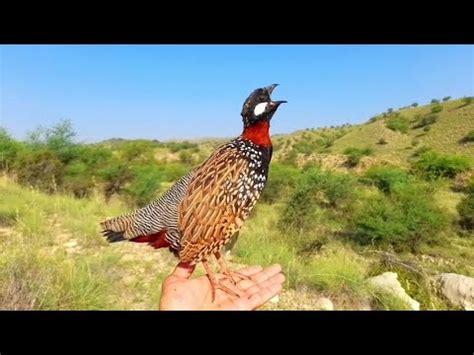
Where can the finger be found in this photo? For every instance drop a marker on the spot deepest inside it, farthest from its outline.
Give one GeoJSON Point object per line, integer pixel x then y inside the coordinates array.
{"type": "Point", "coordinates": [183, 270]}
{"type": "Point", "coordinates": [260, 277]}
{"type": "Point", "coordinates": [277, 279]}
{"type": "Point", "coordinates": [257, 299]}
{"type": "Point", "coordinates": [250, 270]}
{"type": "Point", "coordinates": [263, 296]}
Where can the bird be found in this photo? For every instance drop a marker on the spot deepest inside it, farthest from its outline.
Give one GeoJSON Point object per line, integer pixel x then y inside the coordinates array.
{"type": "Point", "coordinates": [206, 208]}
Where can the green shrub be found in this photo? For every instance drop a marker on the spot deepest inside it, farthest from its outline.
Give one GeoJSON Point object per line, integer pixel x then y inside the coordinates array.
{"type": "Point", "coordinates": [186, 157]}
{"type": "Point", "coordinates": [59, 139]}
{"type": "Point", "coordinates": [305, 147]}
{"type": "Point", "coordinates": [466, 211]}
{"type": "Point", "coordinates": [115, 176]}
{"type": "Point", "coordinates": [467, 100]}
{"type": "Point", "coordinates": [402, 219]}
{"type": "Point", "coordinates": [420, 151]}
{"type": "Point", "coordinates": [315, 189]}
{"type": "Point", "coordinates": [281, 182]}
{"type": "Point", "coordinates": [290, 158]}
{"type": "Point", "coordinates": [432, 165]}
{"type": "Point", "coordinates": [435, 101]}
{"type": "Point", "coordinates": [385, 178]}
{"type": "Point", "coordinates": [175, 147]}
{"type": "Point", "coordinates": [9, 149]}
{"type": "Point", "coordinates": [354, 155]}
{"type": "Point", "coordinates": [426, 129]}
{"type": "Point", "coordinates": [427, 120]}
{"type": "Point", "coordinates": [446, 98]}
{"type": "Point", "coordinates": [468, 138]}
{"type": "Point", "coordinates": [382, 141]}
{"type": "Point", "coordinates": [415, 104]}
{"type": "Point", "coordinates": [400, 124]}
{"type": "Point", "coordinates": [144, 185]}
{"type": "Point", "coordinates": [39, 168]}
{"type": "Point", "coordinates": [436, 109]}
{"type": "Point", "coordinates": [78, 179]}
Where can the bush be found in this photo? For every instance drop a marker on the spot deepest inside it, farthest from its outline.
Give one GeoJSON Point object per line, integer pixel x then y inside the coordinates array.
{"type": "Point", "coordinates": [115, 175]}
{"type": "Point", "coordinates": [186, 157]}
{"type": "Point", "coordinates": [305, 147]}
{"type": "Point", "coordinates": [382, 141]}
{"type": "Point", "coordinates": [467, 100]}
{"type": "Point", "coordinates": [427, 120]}
{"type": "Point", "coordinates": [435, 101]}
{"type": "Point", "coordinates": [78, 179]}
{"type": "Point", "coordinates": [354, 155]}
{"type": "Point", "coordinates": [398, 124]}
{"type": "Point", "coordinates": [436, 109]}
{"type": "Point", "coordinates": [39, 168]}
{"type": "Point", "coordinates": [432, 165]}
{"type": "Point", "coordinates": [468, 138]}
{"type": "Point", "coordinates": [390, 110]}
{"type": "Point", "coordinates": [177, 146]}
{"type": "Point", "coordinates": [420, 151]}
{"type": "Point", "coordinates": [315, 188]}
{"type": "Point", "coordinates": [402, 219]}
{"type": "Point", "coordinates": [385, 178]}
{"type": "Point", "coordinates": [281, 182]}
{"type": "Point", "coordinates": [426, 129]}
{"type": "Point", "coordinates": [466, 212]}
{"type": "Point", "coordinates": [144, 185]}
{"type": "Point", "coordinates": [9, 149]}
{"type": "Point", "coordinates": [446, 98]}
{"type": "Point", "coordinates": [59, 139]}
{"type": "Point", "coordinates": [415, 104]}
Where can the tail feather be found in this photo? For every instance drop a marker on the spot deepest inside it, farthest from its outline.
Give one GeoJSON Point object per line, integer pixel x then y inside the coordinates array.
{"type": "Point", "coordinates": [115, 229]}
{"type": "Point", "coordinates": [113, 237]}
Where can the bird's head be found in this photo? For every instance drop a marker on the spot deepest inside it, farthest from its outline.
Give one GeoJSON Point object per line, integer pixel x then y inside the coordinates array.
{"type": "Point", "coordinates": [259, 106]}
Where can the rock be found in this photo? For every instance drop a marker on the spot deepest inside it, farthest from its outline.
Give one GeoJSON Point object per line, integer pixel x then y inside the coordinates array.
{"type": "Point", "coordinates": [324, 304]}
{"type": "Point", "coordinates": [458, 289]}
{"type": "Point", "coordinates": [129, 280]}
{"type": "Point", "coordinates": [388, 281]}
{"type": "Point", "coordinates": [71, 244]}
{"type": "Point", "coordinates": [275, 299]}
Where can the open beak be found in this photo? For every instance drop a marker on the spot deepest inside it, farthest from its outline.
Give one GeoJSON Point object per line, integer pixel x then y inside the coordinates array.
{"type": "Point", "coordinates": [270, 90]}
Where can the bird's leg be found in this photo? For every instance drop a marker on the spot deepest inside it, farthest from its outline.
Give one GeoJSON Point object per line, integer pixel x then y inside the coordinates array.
{"type": "Point", "coordinates": [216, 284]}
{"type": "Point", "coordinates": [225, 270]}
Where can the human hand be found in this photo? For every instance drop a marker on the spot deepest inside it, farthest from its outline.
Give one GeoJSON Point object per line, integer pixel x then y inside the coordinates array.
{"type": "Point", "coordinates": [180, 292]}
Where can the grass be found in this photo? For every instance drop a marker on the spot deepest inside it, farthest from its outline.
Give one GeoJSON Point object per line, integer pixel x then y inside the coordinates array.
{"type": "Point", "coordinates": [37, 272]}
{"type": "Point", "coordinates": [336, 269]}
{"type": "Point", "coordinates": [452, 125]}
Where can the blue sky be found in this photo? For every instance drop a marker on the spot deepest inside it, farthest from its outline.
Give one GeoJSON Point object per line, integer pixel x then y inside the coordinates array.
{"type": "Point", "coordinates": [191, 91]}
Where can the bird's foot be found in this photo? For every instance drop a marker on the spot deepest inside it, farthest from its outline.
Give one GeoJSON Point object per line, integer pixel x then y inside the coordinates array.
{"type": "Point", "coordinates": [233, 275]}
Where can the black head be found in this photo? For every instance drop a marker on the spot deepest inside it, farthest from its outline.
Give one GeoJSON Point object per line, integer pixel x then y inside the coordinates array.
{"type": "Point", "coordinates": [260, 106]}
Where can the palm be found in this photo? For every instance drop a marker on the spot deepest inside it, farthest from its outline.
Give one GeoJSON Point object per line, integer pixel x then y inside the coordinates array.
{"type": "Point", "coordinates": [180, 292]}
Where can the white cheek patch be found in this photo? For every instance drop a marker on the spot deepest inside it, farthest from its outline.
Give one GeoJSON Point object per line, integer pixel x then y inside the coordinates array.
{"type": "Point", "coordinates": [260, 108]}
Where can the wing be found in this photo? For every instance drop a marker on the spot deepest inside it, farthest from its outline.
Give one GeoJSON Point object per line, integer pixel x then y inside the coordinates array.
{"type": "Point", "coordinates": [216, 204]}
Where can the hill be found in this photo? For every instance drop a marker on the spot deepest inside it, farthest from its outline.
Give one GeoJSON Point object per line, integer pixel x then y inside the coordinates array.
{"type": "Point", "coordinates": [342, 204]}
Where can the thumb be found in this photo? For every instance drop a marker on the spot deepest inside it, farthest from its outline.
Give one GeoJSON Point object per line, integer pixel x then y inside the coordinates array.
{"type": "Point", "coordinates": [183, 270]}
